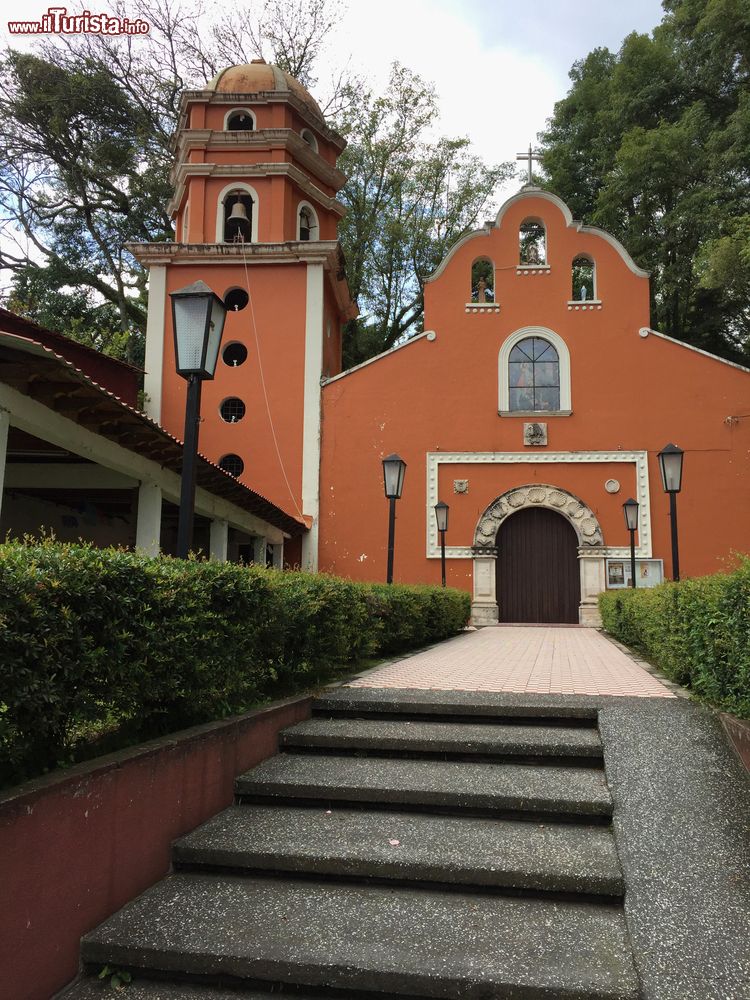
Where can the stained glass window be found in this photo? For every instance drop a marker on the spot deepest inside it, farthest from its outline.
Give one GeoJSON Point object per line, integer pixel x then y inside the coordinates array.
{"type": "Point", "coordinates": [534, 375]}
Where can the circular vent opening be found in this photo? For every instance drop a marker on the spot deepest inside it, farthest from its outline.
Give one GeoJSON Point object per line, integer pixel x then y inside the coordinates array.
{"type": "Point", "coordinates": [234, 354]}
{"type": "Point", "coordinates": [236, 299]}
{"type": "Point", "coordinates": [232, 410]}
{"type": "Point", "coordinates": [232, 464]}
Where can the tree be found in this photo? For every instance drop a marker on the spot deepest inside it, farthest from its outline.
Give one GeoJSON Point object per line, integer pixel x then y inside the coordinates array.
{"type": "Point", "coordinates": [652, 144]}
{"type": "Point", "coordinates": [408, 199]}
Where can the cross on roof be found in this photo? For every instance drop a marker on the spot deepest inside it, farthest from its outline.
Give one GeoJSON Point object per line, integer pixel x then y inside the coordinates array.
{"type": "Point", "coordinates": [530, 156]}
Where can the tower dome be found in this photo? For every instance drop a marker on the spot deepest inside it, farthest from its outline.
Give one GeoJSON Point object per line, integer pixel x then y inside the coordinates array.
{"type": "Point", "coordinates": [258, 77]}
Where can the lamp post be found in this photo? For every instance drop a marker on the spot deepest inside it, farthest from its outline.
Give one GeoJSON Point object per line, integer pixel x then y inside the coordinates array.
{"type": "Point", "coordinates": [198, 316]}
{"type": "Point", "coordinates": [441, 516]}
{"type": "Point", "coordinates": [630, 510]}
{"type": "Point", "coordinates": [670, 465]}
{"type": "Point", "coordinates": [394, 469]}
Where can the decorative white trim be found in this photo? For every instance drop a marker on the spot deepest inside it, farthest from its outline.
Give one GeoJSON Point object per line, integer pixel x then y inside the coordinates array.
{"type": "Point", "coordinates": [223, 194]}
{"type": "Point", "coordinates": [570, 222]}
{"type": "Point", "coordinates": [427, 334]}
{"type": "Point", "coordinates": [155, 333]}
{"type": "Point", "coordinates": [638, 458]}
{"type": "Point", "coordinates": [532, 269]}
{"type": "Point", "coordinates": [233, 111]}
{"type": "Point", "coordinates": [482, 307]}
{"type": "Point", "coordinates": [582, 519]}
{"type": "Point", "coordinates": [311, 414]}
{"type": "Point", "coordinates": [646, 331]}
{"type": "Point", "coordinates": [315, 228]}
{"type": "Point", "coordinates": [583, 304]}
{"type": "Point", "coordinates": [564, 359]}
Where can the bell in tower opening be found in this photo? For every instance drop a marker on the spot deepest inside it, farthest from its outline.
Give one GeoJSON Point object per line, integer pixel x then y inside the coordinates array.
{"type": "Point", "coordinates": [238, 209]}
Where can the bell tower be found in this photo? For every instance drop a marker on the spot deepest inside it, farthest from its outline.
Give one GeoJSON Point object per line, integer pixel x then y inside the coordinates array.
{"type": "Point", "coordinates": [255, 215]}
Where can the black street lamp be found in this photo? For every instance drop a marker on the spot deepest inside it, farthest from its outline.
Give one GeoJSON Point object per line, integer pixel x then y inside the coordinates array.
{"type": "Point", "coordinates": [198, 316]}
{"type": "Point", "coordinates": [630, 510]}
{"type": "Point", "coordinates": [394, 469]}
{"type": "Point", "coordinates": [670, 464]}
{"type": "Point", "coordinates": [441, 516]}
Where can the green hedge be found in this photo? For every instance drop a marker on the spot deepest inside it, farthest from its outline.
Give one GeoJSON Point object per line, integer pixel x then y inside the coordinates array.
{"type": "Point", "coordinates": [96, 639]}
{"type": "Point", "coordinates": [697, 631]}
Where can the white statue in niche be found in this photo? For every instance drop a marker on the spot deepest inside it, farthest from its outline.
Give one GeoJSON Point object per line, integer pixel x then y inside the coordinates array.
{"type": "Point", "coordinates": [584, 293]}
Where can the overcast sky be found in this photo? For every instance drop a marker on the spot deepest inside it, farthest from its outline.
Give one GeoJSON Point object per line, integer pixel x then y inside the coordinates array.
{"type": "Point", "coordinates": [498, 65]}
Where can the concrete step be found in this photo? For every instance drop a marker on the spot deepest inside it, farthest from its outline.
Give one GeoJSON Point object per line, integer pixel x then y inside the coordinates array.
{"type": "Point", "coordinates": [562, 792]}
{"type": "Point", "coordinates": [450, 738]}
{"type": "Point", "coordinates": [455, 705]}
{"type": "Point", "coordinates": [352, 843]}
{"type": "Point", "coordinates": [391, 941]}
{"type": "Point", "coordinates": [92, 988]}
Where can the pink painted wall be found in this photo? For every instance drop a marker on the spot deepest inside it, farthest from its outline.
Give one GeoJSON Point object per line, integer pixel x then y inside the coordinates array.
{"type": "Point", "coordinates": [77, 845]}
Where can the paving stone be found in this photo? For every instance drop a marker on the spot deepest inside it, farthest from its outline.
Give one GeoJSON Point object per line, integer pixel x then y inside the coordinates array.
{"type": "Point", "coordinates": [451, 785]}
{"type": "Point", "coordinates": [399, 942]}
{"type": "Point", "coordinates": [471, 851]}
{"type": "Point", "coordinates": [445, 737]}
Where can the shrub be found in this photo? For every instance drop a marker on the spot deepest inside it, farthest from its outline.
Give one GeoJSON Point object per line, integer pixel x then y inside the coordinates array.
{"type": "Point", "coordinates": [95, 638]}
{"type": "Point", "coordinates": [697, 631]}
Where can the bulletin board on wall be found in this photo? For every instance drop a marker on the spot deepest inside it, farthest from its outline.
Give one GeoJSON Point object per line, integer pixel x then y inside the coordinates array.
{"type": "Point", "coordinates": [648, 573]}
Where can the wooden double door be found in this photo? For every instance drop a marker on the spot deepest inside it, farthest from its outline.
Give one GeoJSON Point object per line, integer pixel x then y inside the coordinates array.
{"type": "Point", "coordinates": [538, 578]}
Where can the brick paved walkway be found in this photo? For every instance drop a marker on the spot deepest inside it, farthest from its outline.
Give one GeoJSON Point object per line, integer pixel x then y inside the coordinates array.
{"type": "Point", "coordinates": [537, 659]}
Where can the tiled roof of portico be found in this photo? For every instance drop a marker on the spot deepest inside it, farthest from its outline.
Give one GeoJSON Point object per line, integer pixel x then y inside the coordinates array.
{"type": "Point", "coordinates": [45, 376]}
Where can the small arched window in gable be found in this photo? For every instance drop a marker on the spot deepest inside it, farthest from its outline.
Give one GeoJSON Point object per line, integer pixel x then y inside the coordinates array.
{"type": "Point", "coordinates": [238, 217]}
{"type": "Point", "coordinates": [307, 224]}
{"type": "Point", "coordinates": [240, 121]}
{"type": "Point", "coordinates": [584, 277]}
{"type": "Point", "coordinates": [532, 242]}
{"type": "Point", "coordinates": [534, 376]}
{"type": "Point", "coordinates": [482, 281]}
{"type": "Point", "coordinates": [309, 138]}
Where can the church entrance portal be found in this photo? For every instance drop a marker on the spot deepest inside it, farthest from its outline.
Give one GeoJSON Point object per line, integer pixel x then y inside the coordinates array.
{"type": "Point", "coordinates": [538, 576]}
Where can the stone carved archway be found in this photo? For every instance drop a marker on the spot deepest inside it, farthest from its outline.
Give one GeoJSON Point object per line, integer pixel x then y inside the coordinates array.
{"type": "Point", "coordinates": [587, 529]}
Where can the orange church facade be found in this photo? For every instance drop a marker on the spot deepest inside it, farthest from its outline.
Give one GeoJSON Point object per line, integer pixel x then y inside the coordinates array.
{"type": "Point", "coordinates": [534, 404]}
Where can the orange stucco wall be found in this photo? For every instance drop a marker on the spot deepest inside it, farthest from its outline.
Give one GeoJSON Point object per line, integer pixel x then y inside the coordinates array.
{"type": "Point", "coordinates": [628, 393]}
{"type": "Point", "coordinates": [278, 294]}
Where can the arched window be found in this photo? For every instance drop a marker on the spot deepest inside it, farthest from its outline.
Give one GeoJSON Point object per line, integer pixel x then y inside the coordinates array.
{"type": "Point", "coordinates": [307, 223]}
{"type": "Point", "coordinates": [534, 373]}
{"type": "Point", "coordinates": [239, 120]}
{"type": "Point", "coordinates": [534, 376]}
{"type": "Point", "coordinates": [532, 242]}
{"type": "Point", "coordinates": [238, 217]}
{"type": "Point", "coordinates": [584, 278]}
{"type": "Point", "coordinates": [309, 138]}
{"type": "Point", "coordinates": [482, 280]}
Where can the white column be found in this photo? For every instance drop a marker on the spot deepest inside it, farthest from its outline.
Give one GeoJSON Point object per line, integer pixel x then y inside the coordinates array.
{"type": "Point", "coordinates": [311, 420]}
{"type": "Point", "coordinates": [484, 606]}
{"type": "Point", "coordinates": [219, 540]}
{"type": "Point", "coordinates": [154, 361]}
{"type": "Point", "coordinates": [259, 550]}
{"type": "Point", "coordinates": [278, 555]}
{"type": "Point", "coordinates": [593, 582]}
{"type": "Point", "coordinates": [4, 428]}
{"type": "Point", "coordinates": [148, 525]}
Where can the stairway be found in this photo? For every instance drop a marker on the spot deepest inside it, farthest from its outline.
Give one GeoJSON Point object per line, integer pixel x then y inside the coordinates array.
{"type": "Point", "coordinates": [395, 847]}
